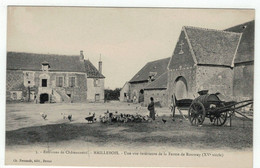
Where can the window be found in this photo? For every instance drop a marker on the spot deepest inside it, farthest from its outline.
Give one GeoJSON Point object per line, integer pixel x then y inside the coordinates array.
{"type": "Point", "coordinates": [59, 81]}
{"type": "Point", "coordinates": [14, 96]}
{"type": "Point", "coordinates": [152, 76]}
{"type": "Point", "coordinates": [96, 82]}
{"type": "Point", "coordinates": [44, 82]}
{"type": "Point", "coordinates": [45, 67]}
{"type": "Point", "coordinates": [72, 81]}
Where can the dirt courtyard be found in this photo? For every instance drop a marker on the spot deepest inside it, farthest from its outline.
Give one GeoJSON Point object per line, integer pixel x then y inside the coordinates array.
{"type": "Point", "coordinates": [26, 127]}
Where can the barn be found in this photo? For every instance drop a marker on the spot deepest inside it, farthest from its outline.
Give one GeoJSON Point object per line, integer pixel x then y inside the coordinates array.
{"type": "Point", "coordinates": [244, 62]}
{"type": "Point", "coordinates": [202, 59]}
{"type": "Point", "coordinates": [149, 73]}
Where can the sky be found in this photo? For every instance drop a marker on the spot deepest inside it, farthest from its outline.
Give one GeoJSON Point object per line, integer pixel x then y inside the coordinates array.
{"type": "Point", "coordinates": [126, 38]}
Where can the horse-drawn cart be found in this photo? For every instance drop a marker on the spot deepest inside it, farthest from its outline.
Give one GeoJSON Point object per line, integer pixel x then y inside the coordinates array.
{"type": "Point", "coordinates": [210, 106]}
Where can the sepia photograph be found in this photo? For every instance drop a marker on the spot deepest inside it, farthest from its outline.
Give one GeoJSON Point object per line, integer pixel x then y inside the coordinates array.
{"type": "Point", "coordinates": [129, 87]}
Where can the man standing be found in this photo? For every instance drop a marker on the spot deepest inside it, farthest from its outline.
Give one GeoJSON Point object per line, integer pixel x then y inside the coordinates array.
{"type": "Point", "coordinates": [173, 105]}
{"type": "Point", "coordinates": [151, 109]}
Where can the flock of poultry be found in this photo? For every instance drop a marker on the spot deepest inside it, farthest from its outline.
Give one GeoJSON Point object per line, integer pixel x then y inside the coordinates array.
{"type": "Point", "coordinates": [110, 117]}
{"type": "Point", "coordinates": [123, 118]}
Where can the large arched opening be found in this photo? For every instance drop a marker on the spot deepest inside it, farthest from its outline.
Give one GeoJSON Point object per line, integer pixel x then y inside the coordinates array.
{"type": "Point", "coordinates": [181, 88]}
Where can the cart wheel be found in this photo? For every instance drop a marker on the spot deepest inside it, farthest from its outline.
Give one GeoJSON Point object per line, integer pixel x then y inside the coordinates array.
{"type": "Point", "coordinates": [197, 113]}
{"type": "Point", "coordinates": [220, 118]}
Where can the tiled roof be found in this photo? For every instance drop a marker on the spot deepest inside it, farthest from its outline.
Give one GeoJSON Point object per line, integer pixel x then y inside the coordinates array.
{"type": "Point", "coordinates": [159, 83]}
{"type": "Point", "coordinates": [245, 50]}
{"type": "Point", "coordinates": [33, 62]}
{"type": "Point", "coordinates": [91, 70]}
{"type": "Point", "coordinates": [213, 47]}
{"type": "Point", "coordinates": [158, 67]}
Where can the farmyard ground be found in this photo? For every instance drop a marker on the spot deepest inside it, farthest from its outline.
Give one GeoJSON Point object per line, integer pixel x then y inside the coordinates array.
{"type": "Point", "coordinates": [25, 127]}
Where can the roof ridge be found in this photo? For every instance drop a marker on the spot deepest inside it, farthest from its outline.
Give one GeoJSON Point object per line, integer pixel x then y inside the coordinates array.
{"type": "Point", "coordinates": [49, 54]}
{"type": "Point", "coordinates": [209, 29]}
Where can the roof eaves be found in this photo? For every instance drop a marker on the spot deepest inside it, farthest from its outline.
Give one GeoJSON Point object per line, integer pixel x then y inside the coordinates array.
{"type": "Point", "coordinates": [189, 43]}
{"type": "Point", "coordinates": [159, 88]}
{"type": "Point", "coordinates": [141, 81]}
{"type": "Point", "coordinates": [93, 76]}
{"type": "Point", "coordinates": [207, 29]}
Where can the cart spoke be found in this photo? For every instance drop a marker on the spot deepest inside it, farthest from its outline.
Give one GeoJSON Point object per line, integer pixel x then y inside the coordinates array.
{"type": "Point", "coordinates": [223, 116]}
{"type": "Point", "coordinates": [220, 120]}
{"type": "Point", "coordinates": [192, 120]}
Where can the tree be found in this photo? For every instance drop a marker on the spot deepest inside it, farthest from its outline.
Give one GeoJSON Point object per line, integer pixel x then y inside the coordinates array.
{"type": "Point", "coordinates": [112, 94]}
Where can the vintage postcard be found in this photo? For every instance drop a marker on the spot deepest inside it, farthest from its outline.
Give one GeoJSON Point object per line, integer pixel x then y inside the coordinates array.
{"type": "Point", "coordinates": [129, 87]}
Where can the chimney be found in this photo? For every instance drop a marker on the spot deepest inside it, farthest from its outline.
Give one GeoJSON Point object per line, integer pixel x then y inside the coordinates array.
{"type": "Point", "coordinates": [100, 65]}
{"type": "Point", "coordinates": [81, 57]}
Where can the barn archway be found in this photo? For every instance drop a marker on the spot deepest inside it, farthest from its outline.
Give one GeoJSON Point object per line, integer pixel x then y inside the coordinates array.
{"type": "Point", "coordinates": [44, 98]}
{"type": "Point", "coordinates": [181, 88]}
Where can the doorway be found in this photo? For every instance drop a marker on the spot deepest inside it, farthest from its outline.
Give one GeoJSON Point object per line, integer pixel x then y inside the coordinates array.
{"type": "Point", "coordinates": [97, 97]}
{"type": "Point", "coordinates": [44, 98]}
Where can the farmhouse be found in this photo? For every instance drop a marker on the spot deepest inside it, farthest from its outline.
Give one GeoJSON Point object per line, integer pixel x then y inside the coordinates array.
{"type": "Point", "coordinates": [149, 73]}
{"type": "Point", "coordinates": [53, 78]}
{"type": "Point", "coordinates": [202, 59]}
{"type": "Point", "coordinates": [244, 62]}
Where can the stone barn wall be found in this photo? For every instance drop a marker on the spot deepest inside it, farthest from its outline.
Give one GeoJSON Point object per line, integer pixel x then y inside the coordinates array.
{"type": "Point", "coordinates": [189, 74]}
{"type": "Point", "coordinates": [135, 89]}
{"type": "Point", "coordinates": [243, 82]}
{"type": "Point", "coordinates": [182, 64]}
{"type": "Point", "coordinates": [215, 79]}
{"type": "Point", "coordinates": [158, 95]}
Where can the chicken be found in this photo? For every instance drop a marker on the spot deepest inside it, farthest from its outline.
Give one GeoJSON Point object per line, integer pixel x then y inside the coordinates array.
{"type": "Point", "coordinates": [91, 118]}
{"type": "Point", "coordinates": [43, 115]}
{"type": "Point", "coordinates": [70, 117]}
{"type": "Point", "coordinates": [67, 116]}
{"type": "Point", "coordinates": [164, 121]}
